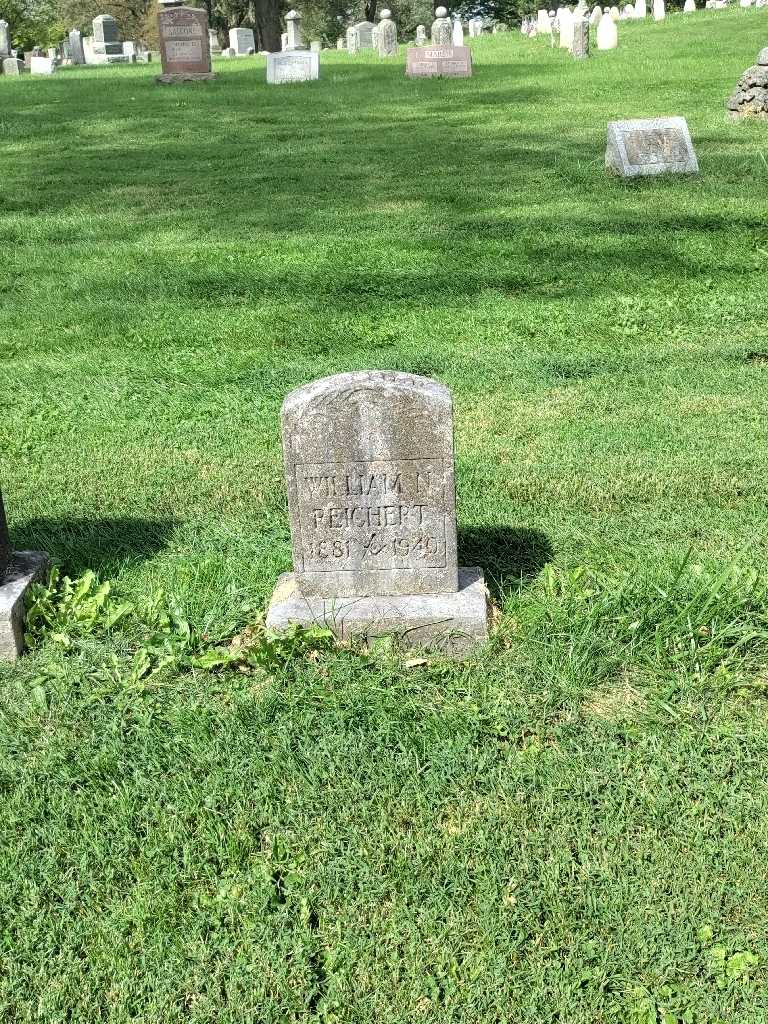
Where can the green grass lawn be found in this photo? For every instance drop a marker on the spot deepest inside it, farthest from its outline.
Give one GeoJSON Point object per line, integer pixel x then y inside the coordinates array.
{"type": "Point", "coordinates": [573, 826]}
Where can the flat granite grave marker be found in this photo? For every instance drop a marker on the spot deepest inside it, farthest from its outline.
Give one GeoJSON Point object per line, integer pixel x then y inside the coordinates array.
{"type": "Point", "coordinates": [659, 145]}
{"type": "Point", "coordinates": [371, 499]}
{"type": "Point", "coordinates": [185, 48]}
{"type": "Point", "coordinates": [292, 66]}
{"type": "Point", "coordinates": [446, 61]}
{"type": "Point", "coordinates": [18, 571]}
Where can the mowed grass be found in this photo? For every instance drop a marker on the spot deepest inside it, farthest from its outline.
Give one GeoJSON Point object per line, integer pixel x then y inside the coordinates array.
{"type": "Point", "coordinates": [571, 827]}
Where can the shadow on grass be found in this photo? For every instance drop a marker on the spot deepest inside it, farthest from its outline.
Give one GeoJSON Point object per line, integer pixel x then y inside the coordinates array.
{"type": "Point", "coordinates": [510, 556]}
{"type": "Point", "coordinates": [103, 545]}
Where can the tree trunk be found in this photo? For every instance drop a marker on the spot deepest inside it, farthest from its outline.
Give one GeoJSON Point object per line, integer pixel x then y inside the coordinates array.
{"type": "Point", "coordinates": [266, 18]}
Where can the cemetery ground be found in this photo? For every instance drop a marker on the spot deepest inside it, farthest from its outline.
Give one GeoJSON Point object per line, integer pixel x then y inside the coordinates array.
{"type": "Point", "coordinates": [571, 826]}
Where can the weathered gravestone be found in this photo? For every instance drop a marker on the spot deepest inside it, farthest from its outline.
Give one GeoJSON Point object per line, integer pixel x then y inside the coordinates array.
{"type": "Point", "coordinates": [442, 28]}
{"type": "Point", "coordinates": [18, 571]}
{"type": "Point", "coordinates": [660, 145]}
{"type": "Point", "coordinates": [76, 46]}
{"type": "Point", "coordinates": [365, 34]}
{"type": "Point", "coordinates": [444, 61]}
{"type": "Point", "coordinates": [371, 498]}
{"type": "Point", "coordinates": [241, 40]}
{"type": "Point", "coordinates": [580, 44]}
{"type": "Point", "coordinates": [106, 36]}
{"type": "Point", "coordinates": [475, 27]}
{"type": "Point", "coordinates": [293, 31]}
{"type": "Point", "coordinates": [607, 34]}
{"type": "Point", "coordinates": [316, 46]}
{"type": "Point", "coordinates": [13, 66]}
{"type": "Point", "coordinates": [292, 66]}
{"type": "Point", "coordinates": [5, 39]}
{"type": "Point", "coordinates": [185, 49]}
{"type": "Point", "coordinates": [421, 35]}
{"type": "Point", "coordinates": [213, 41]}
{"type": "Point", "coordinates": [386, 37]}
{"type": "Point", "coordinates": [42, 66]}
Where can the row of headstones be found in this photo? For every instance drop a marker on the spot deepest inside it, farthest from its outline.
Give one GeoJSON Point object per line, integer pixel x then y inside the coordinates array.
{"type": "Point", "coordinates": [104, 47]}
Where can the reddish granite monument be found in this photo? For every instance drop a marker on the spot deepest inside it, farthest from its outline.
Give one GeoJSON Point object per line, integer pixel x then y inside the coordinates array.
{"type": "Point", "coordinates": [448, 61]}
{"type": "Point", "coordinates": [185, 48]}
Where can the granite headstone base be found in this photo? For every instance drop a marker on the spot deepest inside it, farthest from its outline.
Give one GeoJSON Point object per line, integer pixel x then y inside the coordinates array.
{"type": "Point", "coordinates": [453, 624]}
{"type": "Point", "coordinates": [186, 76]}
{"type": "Point", "coordinates": [26, 568]}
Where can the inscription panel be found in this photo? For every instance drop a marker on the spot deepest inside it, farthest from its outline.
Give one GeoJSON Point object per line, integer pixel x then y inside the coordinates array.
{"type": "Point", "coordinates": [653, 146]}
{"type": "Point", "coordinates": [660, 145]}
{"type": "Point", "coordinates": [370, 480]}
{"type": "Point", "coordinates": [372, 515]}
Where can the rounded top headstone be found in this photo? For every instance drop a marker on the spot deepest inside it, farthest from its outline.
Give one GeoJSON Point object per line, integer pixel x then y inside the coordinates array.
{"type": "Point", "coordinates": [386, 13]}
{"type": "Point", "coordinates": [762, 57]}
{"type": "Point", "coordinates": [441, 12]}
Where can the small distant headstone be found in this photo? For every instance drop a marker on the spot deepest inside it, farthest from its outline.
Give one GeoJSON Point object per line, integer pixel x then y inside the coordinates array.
{"type": "Point", "coordinates": [566, 29]}
{"type": "Point", "coordinates": [229, 51]}
{"type": "Point", "coordinates": [315, 46]}
{"type": "Point", "coordinates": [615, 13]}
{"type": "Point", "coordinates": [284, 41]}
{"type": "Point", "coordinates": [457, 33]}
{"type": "Point", "coordinates": [371, 500]}
{"type": "Point", "coordinates": [185, 50]}
{"type": "Point", "coordinates": [293, 31]}
{"type": "Point", "coordinates": [76, 46]}
{"type": "Point", "coordinates": [106, 36]}
{"type": "Point", "coordinates": [88, 51]}
{"type": "Point", "coordinates": [364, 31]}
{"type": "Point", "coordinates": [421, 35]}
{"type": "Point", "coordinates": [607, 33]}
{"type": "Point", "coordinates": [42, 66]}
{"type": "Point", "coordinates": [213, 41]}
{"type": "Point", "coordinates": [13, 66]}
{"type": "Point", "coordinates": [386, 39]}
{"type": "Point", "coordinates": [18, 571]}
{"type": "Point", "coordinates": [659, 10]}
{"type": "Point", "coordinates": [641, 9]}
{"type": "Point", "coordinates": [750, 98]}
{"type": "Point", "coordinates": [240, 39]}
{"type": "Point", "coordinates": [660, 145]}
{"type": "Point", "coordinates": [292, 66]}
{"type": "Point", "coordinates": [689, 7]}
{"type": "Point", "coordinates": [340, 43]}
{"type": "Point", "coordinates": [475, 27]}
{"type": "Point", "coordinates": [438, 61]}
{"type": "Point", "coordinates": [580, 45]}
{"type": "Point", "coordinates": [130, 49]}
{"type": "Point", "coordinates": [353, 40]}
{"type": "Point", "coordinates": [5, 39]}
{"type": "Point", "coordinates": [442, 28]}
